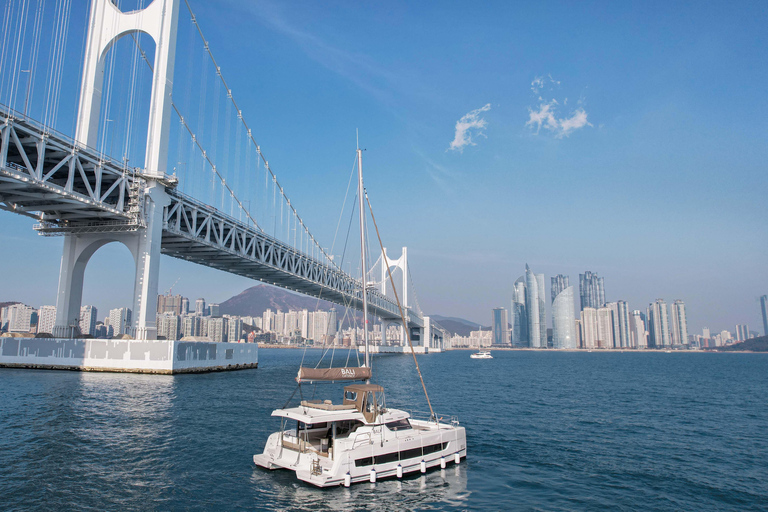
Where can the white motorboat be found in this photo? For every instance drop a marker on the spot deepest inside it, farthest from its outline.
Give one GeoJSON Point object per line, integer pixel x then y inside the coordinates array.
{"type": "Point", "coordinates": [358, 439]}
{"type": "Point", "coordinates": [483, 354]}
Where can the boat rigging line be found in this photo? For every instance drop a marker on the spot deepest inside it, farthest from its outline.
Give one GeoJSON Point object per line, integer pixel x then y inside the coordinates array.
{"type": "Point", "coordinates": [400, 308]}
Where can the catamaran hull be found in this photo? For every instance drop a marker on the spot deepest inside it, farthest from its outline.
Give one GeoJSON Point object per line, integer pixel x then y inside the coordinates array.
{"type": "Point", "coordinates": [322, 472]}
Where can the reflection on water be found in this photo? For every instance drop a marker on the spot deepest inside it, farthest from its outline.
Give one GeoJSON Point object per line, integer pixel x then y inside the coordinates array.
{"type": "Point", "coordinates": [439, 489]}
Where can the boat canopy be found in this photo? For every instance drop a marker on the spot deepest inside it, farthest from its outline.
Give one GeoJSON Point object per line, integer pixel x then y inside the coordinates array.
{"type": "Point", "coordinates": [311, 415]}
{"type": "Point", "coordinates": [333, 374]}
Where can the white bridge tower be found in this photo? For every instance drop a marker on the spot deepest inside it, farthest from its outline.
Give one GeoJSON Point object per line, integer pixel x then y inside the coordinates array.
{"type": "Point", "coordinates": [402, 264]}
{"type": "Point", "coordinates": [107, 24]}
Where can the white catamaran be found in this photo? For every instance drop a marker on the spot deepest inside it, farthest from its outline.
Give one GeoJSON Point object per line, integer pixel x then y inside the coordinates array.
{"type": "Point", "coordinates": [358, 439]}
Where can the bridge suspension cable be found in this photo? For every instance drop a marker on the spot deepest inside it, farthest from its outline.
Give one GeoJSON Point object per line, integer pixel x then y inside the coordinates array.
{"type": "Point", "coordinates": [286, 201]}
{"type": "Point", "coordinates": [227, 187]}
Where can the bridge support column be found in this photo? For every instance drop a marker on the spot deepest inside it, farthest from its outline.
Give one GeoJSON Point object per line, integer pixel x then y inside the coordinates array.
{"type": "Point", "coordinates": [144, 245]}
{"type": "Point", "coordinates": [148, 263]}
{"type": "Point", "coordinates": [78, 250]}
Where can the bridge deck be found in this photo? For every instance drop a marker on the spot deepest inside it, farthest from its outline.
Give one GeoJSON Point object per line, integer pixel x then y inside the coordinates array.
{"type": "Point", "coordinates": [74, 189]}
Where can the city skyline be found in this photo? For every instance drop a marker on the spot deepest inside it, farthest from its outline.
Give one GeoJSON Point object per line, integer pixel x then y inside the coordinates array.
{"type": "Point", "coordinates": [656, 131]}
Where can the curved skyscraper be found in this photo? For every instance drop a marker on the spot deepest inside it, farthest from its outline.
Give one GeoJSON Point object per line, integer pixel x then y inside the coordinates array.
{"type": "Point", "coordinates": [563, 320]}
{"type": "Point", "coordinates": [534, 305]}
{"type": "Point", "coordinates": [517, 315]}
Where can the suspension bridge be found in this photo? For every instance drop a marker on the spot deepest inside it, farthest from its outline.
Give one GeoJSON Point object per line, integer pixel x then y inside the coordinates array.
{"type": "Point", "coordinates": [189, 180]}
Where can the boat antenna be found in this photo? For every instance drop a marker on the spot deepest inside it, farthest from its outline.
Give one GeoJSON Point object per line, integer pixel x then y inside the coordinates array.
{"type": "Point", "coordinates": [360, 194]}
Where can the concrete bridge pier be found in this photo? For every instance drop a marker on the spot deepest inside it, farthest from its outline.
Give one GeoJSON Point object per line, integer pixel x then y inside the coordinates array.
{"type": "Point", "coordinates": [144, 244]}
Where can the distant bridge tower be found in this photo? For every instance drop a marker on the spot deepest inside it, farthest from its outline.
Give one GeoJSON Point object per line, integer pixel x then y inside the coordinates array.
{"type": "Point", "coordinates": [107, 24]}
{"type": "Point", "coordinates": [402, 264]}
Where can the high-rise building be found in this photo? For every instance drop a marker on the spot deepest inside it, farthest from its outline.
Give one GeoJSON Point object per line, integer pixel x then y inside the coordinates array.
{"type": "Point", "coordinates": [88, 320]}
{"type": "Point", "coordinates": [234, 329]}
{"type": "Point", "coordinates": [332, 322]}
{"type": "Point", "coordinates": [291, 323]}
{"type": "Point", "coordinates": [705, 332]}
{"type": "Point", "coordinates": [563, 316]}
{"type": "Point", "coordinates": [500, 327]}
{"type": "Point", "coordinates": [764, 309]}
{"type": "Point", "coordinates": [658, 324]}
{"type": "Point", "coordinates": [518, 317]}
{"type": "Point", "coordinates": [614, 307]}
{"type": "Point", "coordinates": [622, 337]}
{"type": "Point", "coordinates": [200, 307]}
{"type": "Point", "coordinates": [679, 323]}
{"type": "Point", "coordinates": [268, 320]}
{"type": "Point", "coordinates": [120, 321]}
{"type": "Point", "coordinates": [579, 340]}
{"type": "Point", "coordinates": [591, 290]}
{"type": "Point", "coordinates": [535, 309]}
{"type": "Point", "coordinates": [321, 328]}
{"type": "Point", "coordinates": [742, 332]}
{"type": "Point", "coordinates": [203, 328]}
{"type": "Point", "coordinates": [169, 326]}
{"type": "Point", "coordinates": [46, 319]}
{"type": "Point", "coordinates": [304, 323]}
{"type": "Point", "coordinates": [169, 304]}
{"type": "Point", "coordinates": [589, 328]}
{"type": "Point", "coordinates": [605, 327]}
{"type": "Point", "coordinates": [184, 306]}
{"type": "Point", "coordinates": [18, 318]}
{"type": "Point", "coordinates": [213, 310]}
{"type": "Point", "coordinates": [559, 283]}
{"type": "Point", "coordinates": [639, 334]}
{"type": "Point", "coordinates": [190, 325]}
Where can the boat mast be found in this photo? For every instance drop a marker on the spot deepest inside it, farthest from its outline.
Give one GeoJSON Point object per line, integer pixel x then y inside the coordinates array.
{"type": "Point", "coordinates": [360, 194]}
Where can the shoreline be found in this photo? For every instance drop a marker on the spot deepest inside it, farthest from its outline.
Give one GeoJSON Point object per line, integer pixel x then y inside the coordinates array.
{"type": "Point", "coordinates": [552, 350]}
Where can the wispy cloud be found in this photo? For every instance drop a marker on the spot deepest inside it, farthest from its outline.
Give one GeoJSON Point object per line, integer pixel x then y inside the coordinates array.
{"type": "Point", "coordinates": [547, 115]}
{"type": "Point", "coordinates": [469, 126]}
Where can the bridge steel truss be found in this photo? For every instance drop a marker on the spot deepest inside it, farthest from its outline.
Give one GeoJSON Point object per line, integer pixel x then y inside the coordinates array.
{"type": "Point", "coordinates": [72, 189]}
{"type": "Point", "coordinates": [196, 232]}
{"type": "Point", "coordinates": [46, 176]}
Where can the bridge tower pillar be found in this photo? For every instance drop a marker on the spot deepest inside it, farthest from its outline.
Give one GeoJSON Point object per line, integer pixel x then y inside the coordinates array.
{"type": "Point", "coordinates": [402, 264]}
{"type": "Point", "coordinates": [107, 24]}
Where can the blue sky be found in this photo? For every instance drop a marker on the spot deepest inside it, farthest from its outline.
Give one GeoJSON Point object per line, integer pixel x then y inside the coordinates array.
{"type": "Point", "coordinates": [630, 139]}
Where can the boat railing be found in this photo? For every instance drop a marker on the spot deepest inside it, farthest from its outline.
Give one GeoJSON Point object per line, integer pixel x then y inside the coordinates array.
{"type": "Point", "coordinates": [425, 416]}
{"type": "Point", "coordinates": [366, 436]}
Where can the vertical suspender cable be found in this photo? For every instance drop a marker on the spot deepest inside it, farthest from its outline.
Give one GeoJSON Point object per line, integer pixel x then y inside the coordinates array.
{"type": "Point", "coordinates": [7, 15]}
{"type": "Point", "coordinates": [38, 30]}
{"type": "Point", "coordinates": [23, 9]}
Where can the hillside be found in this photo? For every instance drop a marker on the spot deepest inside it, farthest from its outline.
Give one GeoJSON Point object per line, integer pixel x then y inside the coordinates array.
{"type": "Point", "coordinates": [257, 299]}
{"type": "Point", "coordinates": [759, 344]}
{"type": "Point", "coordinates": [456, 325]}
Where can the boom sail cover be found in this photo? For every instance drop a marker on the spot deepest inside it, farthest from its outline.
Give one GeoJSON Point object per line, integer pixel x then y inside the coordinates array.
{"type": "Point", "coordinates": [333, 374]}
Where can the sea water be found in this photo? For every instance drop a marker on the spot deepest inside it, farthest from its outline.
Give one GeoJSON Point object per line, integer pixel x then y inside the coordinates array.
{"type": "Point", "coordinates": [545, 431]}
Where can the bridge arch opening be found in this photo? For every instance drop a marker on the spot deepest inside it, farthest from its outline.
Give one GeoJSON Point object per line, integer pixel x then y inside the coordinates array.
{"type": "Point", "coordinates": [125, 102]}
{"type": "Point", "coordinates": [108, 281]}
{"type": "Point", "coordinates": [129, 6]}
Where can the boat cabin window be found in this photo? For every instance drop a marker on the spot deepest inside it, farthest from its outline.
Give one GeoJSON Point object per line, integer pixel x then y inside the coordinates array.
{"type": "Point", "coordinates": [302, 427]}
{"type": "Point", "coordinates": [311, 426]}
{"type": "Point", "coordinates": [350, 395]}
{"type": "Point", "coordinates": [346, 427]}
{"type": "Point", "coordinates": [403, 424]}
{"type": "Point", "coordinates": [369, 403]}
